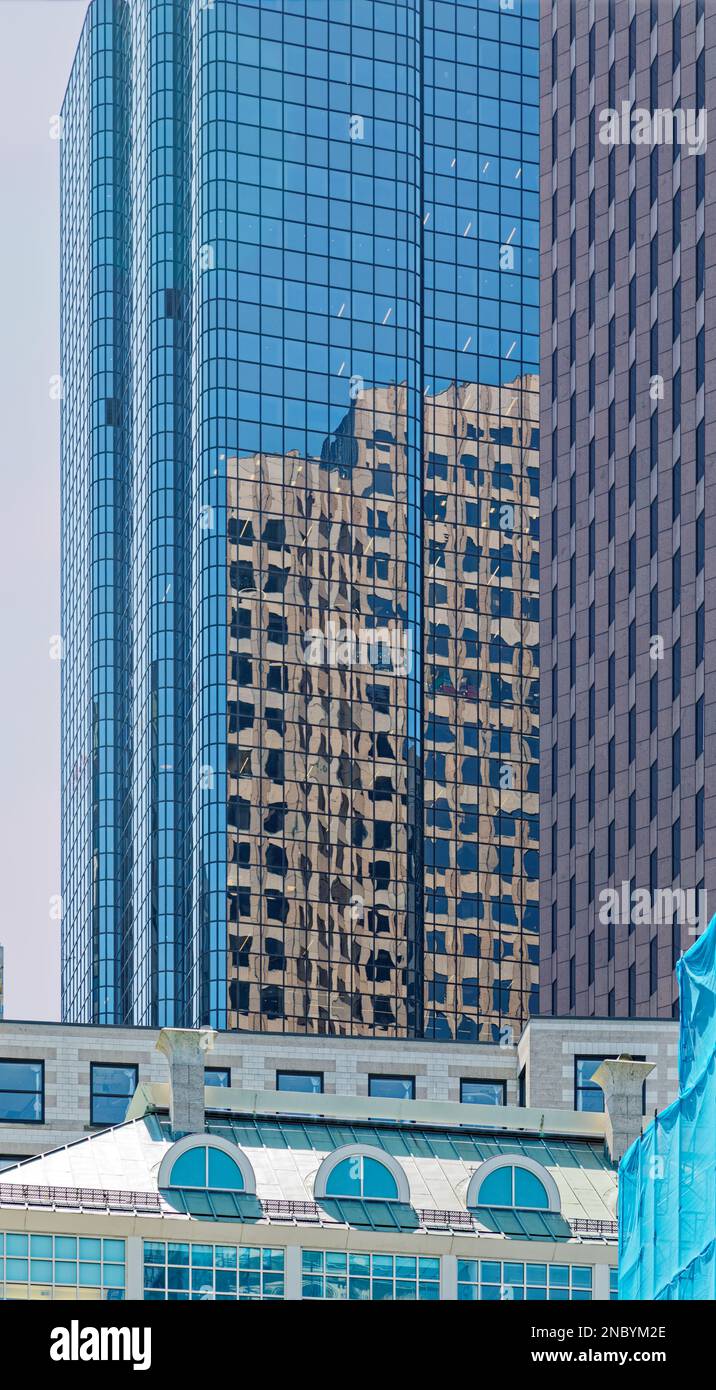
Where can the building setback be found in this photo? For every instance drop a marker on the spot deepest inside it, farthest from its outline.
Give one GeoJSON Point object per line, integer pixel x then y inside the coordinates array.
{"type": "Point", "coordinates": [627, 501]}
{"type": "Point", "coordinates": [299, 357]}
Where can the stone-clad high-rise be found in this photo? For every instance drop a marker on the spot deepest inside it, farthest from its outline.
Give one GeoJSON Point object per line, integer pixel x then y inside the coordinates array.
{"type": "Point", "coordinates": [627, 499]}
{"type": "Point", "coordinates": [300, 534]}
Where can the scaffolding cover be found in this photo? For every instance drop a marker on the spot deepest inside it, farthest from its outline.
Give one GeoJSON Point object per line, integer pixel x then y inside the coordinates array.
{"type": "Point", "coordinates": [667, 1179]}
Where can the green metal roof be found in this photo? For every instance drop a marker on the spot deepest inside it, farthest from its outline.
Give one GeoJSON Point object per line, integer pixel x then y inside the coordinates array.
{"type": "Point", "coordinates": [403, 1140]}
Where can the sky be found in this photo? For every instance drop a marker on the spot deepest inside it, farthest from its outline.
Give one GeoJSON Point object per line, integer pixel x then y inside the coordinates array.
{"type": "Point", "coordinates": [37, 43]}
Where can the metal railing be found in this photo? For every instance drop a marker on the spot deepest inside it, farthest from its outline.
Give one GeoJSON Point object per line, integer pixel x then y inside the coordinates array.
{"type": "Point", "coordinates": [78, 1198]}
{"type": "Point", "coordinates": [112, 1199]}
{"type": "Point", "coordinates": [583, 1227]}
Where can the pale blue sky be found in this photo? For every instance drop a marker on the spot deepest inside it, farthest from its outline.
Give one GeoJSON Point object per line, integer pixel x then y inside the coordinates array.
{"type": "Point", "coordinates": [37, 43]}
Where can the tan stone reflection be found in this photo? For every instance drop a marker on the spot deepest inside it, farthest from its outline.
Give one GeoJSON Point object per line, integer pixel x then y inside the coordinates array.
{"type": "Point", "coordinates": [321, 887]}
{"type": "Point", "coordinates": [481, 651]}
{"type": "Point", "coordinates": [319, 774]}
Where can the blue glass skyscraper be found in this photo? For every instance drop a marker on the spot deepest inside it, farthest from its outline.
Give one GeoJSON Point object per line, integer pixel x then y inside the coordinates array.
{"type": "Point", "coordinates": [299, 323]}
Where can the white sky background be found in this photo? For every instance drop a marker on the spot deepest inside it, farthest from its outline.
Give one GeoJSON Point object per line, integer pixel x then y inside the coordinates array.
{"type": "Point", "coordinates": [37, 44]}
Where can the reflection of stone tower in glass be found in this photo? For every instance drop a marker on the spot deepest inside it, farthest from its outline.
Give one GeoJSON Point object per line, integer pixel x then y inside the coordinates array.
{"type": "Point", "coordinates": [322, 784]}
{"type": "Point", "coordinates": [323, 919]}
{"type": "Point", "coordinates": [481, 639]}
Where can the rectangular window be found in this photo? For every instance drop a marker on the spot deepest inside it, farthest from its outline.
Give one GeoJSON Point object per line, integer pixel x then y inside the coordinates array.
{"type": "Point", "coordinates": [217, 1076]}
{"type": "Point", "coordinates": [699, 831]}
{"type": "Point", "coordinates": [587, 1094]}
{"type": "Point", "coordinates": [700, 265]}
{"type": "Point", "coordinates": [675, 759]}
{"type": "Point", "coordinates": [700, 542]}
{"type": "Point", "coordinates": [654, 263]}
{"type": "Point", "coordinates": [653, 965]}
{"type": "Point", "coordinates": [22, 1092]}
{"type": "Point", "coordinates": [483, 1092]}
{"type": "Point", "coordinates": [61, 1267]}
{"type": "Point", "coordinates": [306, 1081]}
{"type": "Point", "coordinates": [499, 1280]}
{"type": "Point", "coordinates": [676, 310]}
{"type": "Point", "coordinates": [700, 633]}
{"type": "Point", "coordinates": [699, 728]}
{"type": "Point", "coordinates": [392, 1087]}
{"type": "Point", "coordinates": [112, 1086]}
{"type": "Point", "coordinates": [676, 670]}
{"type": "Point", "coordinates": [676, 848]}
{"type": "Point", "coordinates": [222, 1273]}
{"type": "Point", "coordinates": [337, 1275]}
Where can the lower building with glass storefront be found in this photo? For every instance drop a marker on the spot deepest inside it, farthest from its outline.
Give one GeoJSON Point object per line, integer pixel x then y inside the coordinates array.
{"type": "Point", "coordinates": [226, 1194]}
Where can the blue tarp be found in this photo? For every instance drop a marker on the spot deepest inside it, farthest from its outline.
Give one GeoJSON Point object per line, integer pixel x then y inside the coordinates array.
{"type": "Point", "coordinates": [667, 1179]}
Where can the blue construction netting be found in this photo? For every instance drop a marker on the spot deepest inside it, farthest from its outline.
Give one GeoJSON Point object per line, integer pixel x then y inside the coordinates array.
{"type": "Point", "coordinates": [667, 1179]}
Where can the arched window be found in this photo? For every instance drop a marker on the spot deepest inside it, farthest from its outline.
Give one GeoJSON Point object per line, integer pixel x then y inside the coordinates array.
{"type": "Point", "coordinates": [212, 1164]}
{"type": "Point", "coordinates": [362, 1177]}
{"type": "Point", "coordinates": [517, 1183]}
{"type": "Point", "coordinates": [358, 1170]}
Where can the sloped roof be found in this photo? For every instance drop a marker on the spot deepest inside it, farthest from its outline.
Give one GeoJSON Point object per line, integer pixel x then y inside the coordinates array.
{"type": "Point", "coordinates": [286, 1152]}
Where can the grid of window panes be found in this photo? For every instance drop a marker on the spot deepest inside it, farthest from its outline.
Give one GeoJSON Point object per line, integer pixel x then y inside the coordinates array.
{"type": "Point", "coordinates": [613, 1284]}
{"type": "Point", "coordinates": [258, 862]}
{"type": "Point", "coordinates": [322, 440]}
{"type": "Point", "coordinates": [111, 1089]}
{"type": "Point", "coordinates": [333, 1274]}
{"type": "Point", "coordinates": [61, 1267]}
{"type": "Point", "coordinates": [511, 1279]}
{"type": "Point", "coordinates": [181, 1270]}
{"type": "Point", "coordinates": [77, 710]}
{"type": "Point", "coordinates": [22, 1092]}
{"type": "Point", "coordinates": [481, 358]}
